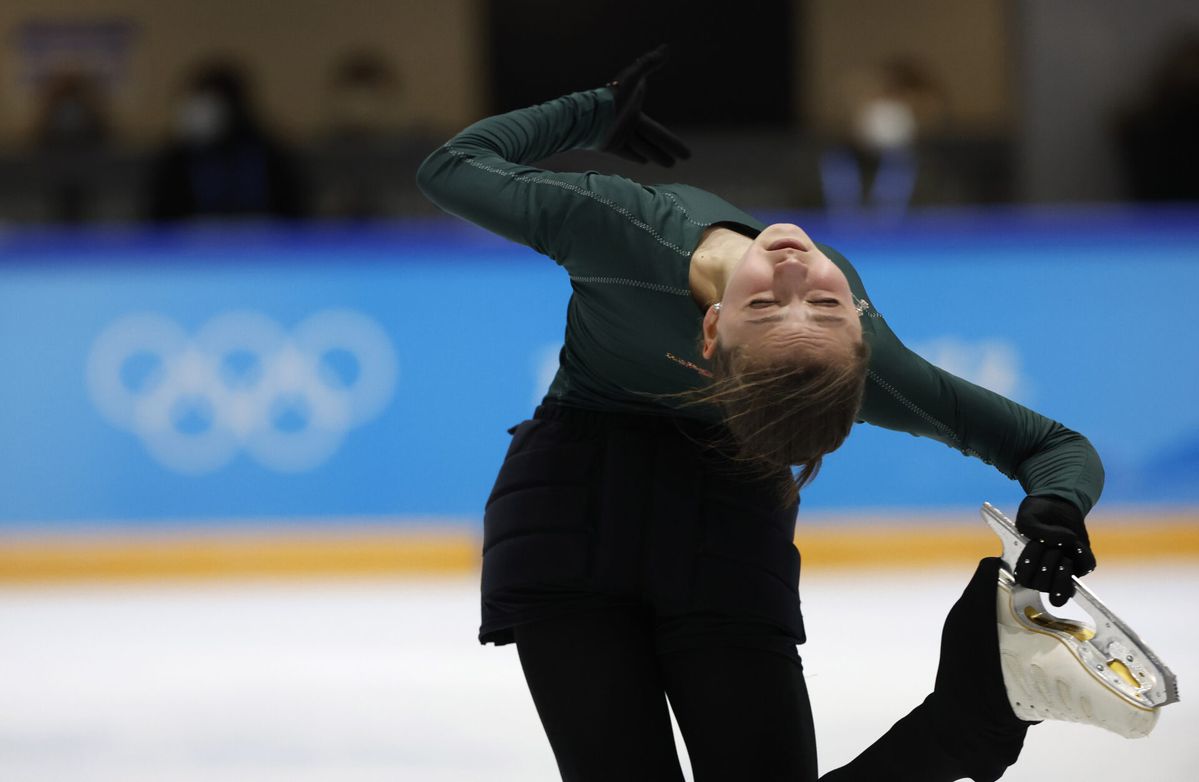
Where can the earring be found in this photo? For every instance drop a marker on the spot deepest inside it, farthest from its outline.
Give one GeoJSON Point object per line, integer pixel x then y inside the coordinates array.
{"type": "Point", "coordinates": [716, 306]}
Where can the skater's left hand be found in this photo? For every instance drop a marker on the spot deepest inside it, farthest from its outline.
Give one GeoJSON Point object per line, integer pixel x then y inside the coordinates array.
{"type": "Point", "coordinates": [633, 135]}
{"type": "Point", "coordinates": [1058, 547]}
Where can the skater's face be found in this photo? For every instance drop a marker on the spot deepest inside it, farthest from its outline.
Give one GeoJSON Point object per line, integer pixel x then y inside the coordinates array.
{"type": "Point", "coordinates": [784, 297]}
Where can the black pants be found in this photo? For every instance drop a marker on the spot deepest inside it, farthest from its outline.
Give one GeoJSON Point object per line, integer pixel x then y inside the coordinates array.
{"type": "Point", "coordinates": [631, 562]}
{"type": "Point", "coordinates": [600, 685]}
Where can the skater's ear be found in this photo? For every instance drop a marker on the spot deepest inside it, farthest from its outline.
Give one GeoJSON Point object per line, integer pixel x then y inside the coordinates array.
{"type": "Point", "coordinates": [709, 342]}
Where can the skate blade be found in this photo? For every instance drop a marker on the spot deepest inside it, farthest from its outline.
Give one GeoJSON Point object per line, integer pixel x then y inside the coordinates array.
{"type": "Point", "coordinates": [1110, 650]}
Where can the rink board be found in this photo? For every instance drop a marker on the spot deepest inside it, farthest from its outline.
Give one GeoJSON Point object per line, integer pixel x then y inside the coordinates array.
{"type": "Point", "coordinates": [898, 542]}
{"type": "Point", "coordinates": [126, 352]}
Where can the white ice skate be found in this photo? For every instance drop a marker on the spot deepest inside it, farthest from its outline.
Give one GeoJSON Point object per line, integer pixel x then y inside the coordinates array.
{"type": "Point", "coordinates": [1060, 669]}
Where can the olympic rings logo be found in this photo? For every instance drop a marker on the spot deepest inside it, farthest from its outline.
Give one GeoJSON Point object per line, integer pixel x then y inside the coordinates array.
{"type": "Point", "coordinates": [242, 382]}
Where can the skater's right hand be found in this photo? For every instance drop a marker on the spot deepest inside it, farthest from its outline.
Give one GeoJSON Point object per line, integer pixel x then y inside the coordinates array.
{"type": "Point", "coordinates": [633, 135]}
{"type": "Point", "coordinates": [1058, 547]}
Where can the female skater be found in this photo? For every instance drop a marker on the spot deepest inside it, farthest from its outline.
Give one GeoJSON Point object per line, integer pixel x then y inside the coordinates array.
{"type": "Point", "coordinates": [638, 542]}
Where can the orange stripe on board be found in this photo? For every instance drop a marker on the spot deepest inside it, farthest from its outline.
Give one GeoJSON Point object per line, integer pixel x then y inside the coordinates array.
{"type": "Point", "coordinates": [231, 554]}
{"type": "Point", "coordinates": [851, 542]}
{"type": "Point", "coordinates": [909, 545]}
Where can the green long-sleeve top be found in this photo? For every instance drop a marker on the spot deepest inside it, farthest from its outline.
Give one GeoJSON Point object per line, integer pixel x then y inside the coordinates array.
{"type": "Point", "coordinates": [633, 328]}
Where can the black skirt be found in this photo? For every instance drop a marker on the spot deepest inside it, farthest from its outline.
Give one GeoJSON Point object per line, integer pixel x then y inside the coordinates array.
{"type": "Point", "coordinates": [597, 509]}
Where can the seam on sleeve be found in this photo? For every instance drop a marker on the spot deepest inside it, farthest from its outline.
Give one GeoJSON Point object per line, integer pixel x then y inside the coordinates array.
{"type": "Point", "coordinates": [681, 208]}
{"type": "Point", "coordinates": [620, 210]}
{"type": "Point", "coordinates": [941, 427]}
{"type": "Point", "coordinates": [652, 286]}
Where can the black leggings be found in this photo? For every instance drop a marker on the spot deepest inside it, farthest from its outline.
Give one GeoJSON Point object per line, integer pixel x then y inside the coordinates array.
{"type": "Point", "coordinates": [599, 676]}
{"type": "Point", "coordinates": [598, 685]}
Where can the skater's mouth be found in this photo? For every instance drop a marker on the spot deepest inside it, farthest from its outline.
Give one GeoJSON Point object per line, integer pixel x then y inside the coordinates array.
{"type": "Point", "coordinates": [787, 243]}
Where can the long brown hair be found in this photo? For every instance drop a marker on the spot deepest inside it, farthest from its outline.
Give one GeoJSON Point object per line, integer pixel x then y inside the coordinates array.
{"type": "Point", "coordinates": [783, 413]}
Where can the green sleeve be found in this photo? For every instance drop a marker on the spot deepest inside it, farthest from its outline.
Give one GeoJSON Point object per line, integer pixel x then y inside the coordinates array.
{"type": "Point", "coordinates": [591, 223]}
{"type": "Point", "coordinates": [907, 393]}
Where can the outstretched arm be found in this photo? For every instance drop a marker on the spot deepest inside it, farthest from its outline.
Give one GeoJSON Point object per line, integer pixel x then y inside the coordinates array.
{"type": "Point", "coordinates": [592, 224]}
{"type": "Point", "coordinates": [907, 393]}
{"type": "Point", "coordinates": [1056, 466]}
{"type": "Point", "coordinates": [484, 174]}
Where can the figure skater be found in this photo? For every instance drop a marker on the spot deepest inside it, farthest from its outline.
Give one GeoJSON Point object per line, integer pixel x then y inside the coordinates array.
{"type": "Point", "coordinates": [638, 542]}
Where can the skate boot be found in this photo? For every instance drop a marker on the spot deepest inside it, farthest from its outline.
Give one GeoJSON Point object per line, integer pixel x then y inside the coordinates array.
{"type": "Point", "coordinates": [1060, 669]}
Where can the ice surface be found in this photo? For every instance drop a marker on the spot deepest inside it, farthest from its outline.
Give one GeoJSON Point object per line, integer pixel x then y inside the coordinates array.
{"type": "Point", "coordinates": [355, 680]}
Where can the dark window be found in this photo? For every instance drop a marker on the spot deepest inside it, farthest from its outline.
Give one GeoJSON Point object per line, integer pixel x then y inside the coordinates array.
{"type": "Point", "coordinates": [728, 67]}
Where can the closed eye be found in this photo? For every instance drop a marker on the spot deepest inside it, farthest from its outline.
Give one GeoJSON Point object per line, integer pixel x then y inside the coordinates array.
{"type": "Point", "coordinates": [759, 304]}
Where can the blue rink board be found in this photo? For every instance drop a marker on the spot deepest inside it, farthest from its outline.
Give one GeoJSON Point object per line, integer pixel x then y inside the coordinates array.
{"type": "Point", "coordinates": [1086, 316]}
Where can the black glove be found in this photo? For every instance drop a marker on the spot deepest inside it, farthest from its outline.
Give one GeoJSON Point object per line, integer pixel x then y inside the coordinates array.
{"type": "Point", "coordinates": [1057, 548]}
{"type": "Point", "coordinates": [633, 135]}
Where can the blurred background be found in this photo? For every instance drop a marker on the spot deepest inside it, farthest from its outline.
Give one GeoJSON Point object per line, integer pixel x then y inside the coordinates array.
{"type": "Point", "coordinates": [244, 454]}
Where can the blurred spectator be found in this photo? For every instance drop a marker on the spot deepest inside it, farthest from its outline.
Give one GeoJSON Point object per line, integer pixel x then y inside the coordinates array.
{"type": "Point", "coordinates": [72, 114]}
{"type": "Point", "coordinates": [364, 118]}
{"type": "Point", "coordinates": [1159, 138]}
{"type": "Point", "coordinates": [875, 165]}
{"type": "Point", "coordinates": [70, 134]}
{"type": "Point", "coordinates": [222, 162]}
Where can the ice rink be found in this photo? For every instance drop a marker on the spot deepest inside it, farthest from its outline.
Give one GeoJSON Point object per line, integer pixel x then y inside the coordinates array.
{"type": "Point", "coordinates": [379, 679]}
